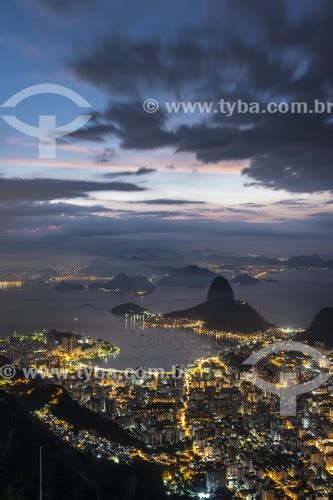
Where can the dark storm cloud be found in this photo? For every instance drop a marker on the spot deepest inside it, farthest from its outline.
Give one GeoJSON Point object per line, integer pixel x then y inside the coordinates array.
{"type": "Point", "coordinates": [123, 65]}
{"type": "Point", "coordinates": [138, 129]}
{"type": "Point", "coordinates": [291, 152]}
{"type": "Point", "coordinates": [278, 51]}
{"type": "Point", "coordinates": [166, 201]}
{"type": "Point", "coordinates": [50, 189]}
{"type": "Point", "coordinates": [94, 133]}
{"type": "Point", "coordinates": [128, 122]}
{"type": "Point", "coordinates": [304, 171]}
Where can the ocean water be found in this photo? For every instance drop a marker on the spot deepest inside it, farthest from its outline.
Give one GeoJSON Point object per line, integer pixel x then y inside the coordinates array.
{"type": "Point", "coordinates": [293, 301]}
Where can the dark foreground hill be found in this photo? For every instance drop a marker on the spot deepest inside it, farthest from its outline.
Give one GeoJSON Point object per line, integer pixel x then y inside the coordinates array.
{"type": "Point", "coordinates": [69, 410]}
{"type": "Point", "coordinates": [67, 473]}
{"type": "Point", "coordinates": [222, 312]}
{"type": "Point", "coordinates": [321, 328]}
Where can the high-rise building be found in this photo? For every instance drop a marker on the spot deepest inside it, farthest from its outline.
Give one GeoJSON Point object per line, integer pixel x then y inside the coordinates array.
{"type": "Point", "coordinates": [215, 478]}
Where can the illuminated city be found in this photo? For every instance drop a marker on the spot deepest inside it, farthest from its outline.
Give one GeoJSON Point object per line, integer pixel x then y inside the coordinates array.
{"type": "Point", "coordinates": [166, 250]}
{"type": "Point", "coordinates": [203, 424]}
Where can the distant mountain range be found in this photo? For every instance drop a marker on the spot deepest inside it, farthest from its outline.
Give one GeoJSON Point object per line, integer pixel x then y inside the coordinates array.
{"type": "Point", "coordinates": [299, 261]}
{"type": "Point", "coordinates": [190, 276]}
{"type": "Point", "coordinates": [222, 312]}
{"type": "Point", "coordinates": [307, 261]}
{"type": "Point", "coordinates": [163, 260]}
{"type": "Point", "coordinates": [321, 328]}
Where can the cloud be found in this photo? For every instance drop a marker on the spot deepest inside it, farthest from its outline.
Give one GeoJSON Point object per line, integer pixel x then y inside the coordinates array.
{"type": "Point", "coordinates": [46, 209]}
{"type": "Point", "coordinates": [128, 121]}
{"type": "Point", "coordinates": [145, 170]}
{"type": "Point", "coordinates": [234, 210]}
{"type": "Point", "coordinates": [94, 133]}
{"type": "Point", "coordinates": [298, 172]}
{"type": "Point", "coordinates": [323, 217]}
{"type": "Point", "coordinates": [295, 203]}
{"type": "Point", "coordinates": [139, 171]}
{"type": "Point", "coordinates": [96, 234]}
{"type": "Point", "coordinates": [162, 214]}
{"type": "Point", "coordinates": [106, 155]}
{"type": "Point", "coordinates": [253, 205]}
{"type": "Point", "coordinates": [276, 53]}
{"type": "Point", "coordinates": [167, 201]}
{"type": "Point", "coordinates": [138, 129]}
{"type": "Point", "coordinates": [50, 189]}
{"type": "Point", "coordinates": [286, 152]}
{"type": "Point", "coordinates": [123, 65]}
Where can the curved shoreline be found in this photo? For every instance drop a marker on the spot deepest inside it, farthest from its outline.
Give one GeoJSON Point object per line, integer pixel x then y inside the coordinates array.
{"type": "Point", "coordinates": [79, 363]}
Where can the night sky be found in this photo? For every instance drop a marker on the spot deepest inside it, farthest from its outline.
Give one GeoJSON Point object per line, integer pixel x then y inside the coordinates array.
{"type": "Point", "coordinates": [246, 183]}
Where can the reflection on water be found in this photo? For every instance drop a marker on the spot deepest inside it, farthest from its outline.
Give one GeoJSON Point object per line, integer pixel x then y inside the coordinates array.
{"type": "Point", "coordinates": [10, 284]}
{"type": "Point", "coordinates": [156, 348]}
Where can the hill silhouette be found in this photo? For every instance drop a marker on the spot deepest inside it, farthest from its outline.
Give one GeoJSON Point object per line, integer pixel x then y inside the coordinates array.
{"type": "Point", "coordinates": [301, 261]}
{"type": "Point", "coordinates": [220, 290]}
{"type": "Point", "coordinates": [129, 309]}
{"type": "Point", "coordinates": [126, 284]}
{"type": "Point", "coordinates": [191, 276]}
{"type": "Point", "coordinates": [67, 473]}
{"type": "Point", "coordinates": [321, 328]}
{"type": "Point", "coordinates": [222, 312]}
